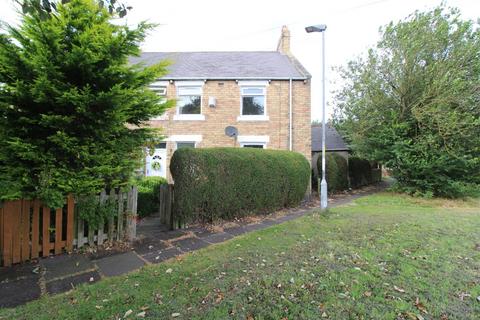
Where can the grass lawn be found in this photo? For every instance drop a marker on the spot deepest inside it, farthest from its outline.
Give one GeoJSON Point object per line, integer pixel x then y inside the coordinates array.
{"type": "Point", "coordinates": [385, 256]}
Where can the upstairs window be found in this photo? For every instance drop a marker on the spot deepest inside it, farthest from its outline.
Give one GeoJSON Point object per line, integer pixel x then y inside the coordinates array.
{"type": "Point", "coordinates": [253, 101]}
{"type": "Point", "coordinates": [189, 100]}
{"type": "Point", "coordinates": [160, 88]}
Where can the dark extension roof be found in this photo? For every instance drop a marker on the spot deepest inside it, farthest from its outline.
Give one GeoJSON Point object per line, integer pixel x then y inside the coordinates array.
{"type": "Point", "coordinates": [226, 65]}
{"type": "Point", "coordinates": [333, 140]}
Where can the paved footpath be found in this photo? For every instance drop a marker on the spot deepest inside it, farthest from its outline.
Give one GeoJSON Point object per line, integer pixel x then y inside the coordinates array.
{"type": "Point", "coordinates": [26, 282]}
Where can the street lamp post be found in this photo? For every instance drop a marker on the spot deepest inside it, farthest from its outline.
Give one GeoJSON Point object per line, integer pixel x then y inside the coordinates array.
{"type": "Point", "coordinates": [323, 185]}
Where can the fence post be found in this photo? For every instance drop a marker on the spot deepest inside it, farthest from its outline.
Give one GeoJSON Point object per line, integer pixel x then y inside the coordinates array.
{"type": "Point", "coordinates": [162, 204]}
{"type": "Point", "coordinates": [1, 233]}
{"type": "Point", "coordinates": [111, 220]}
{"type": "Point", "coordinates": [132, 213]}
{"type": "Point", "coordinates": [168, 207]}
{"type": "Point", "coordinates": [7, 242]}
{"type": "Point", "coordinates": [70, 223]}
{"type": "Point", "coordinates": [100, 233]}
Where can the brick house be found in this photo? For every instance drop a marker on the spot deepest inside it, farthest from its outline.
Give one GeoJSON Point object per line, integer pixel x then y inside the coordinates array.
{"type": "Point", "coordinates": [265, 95]}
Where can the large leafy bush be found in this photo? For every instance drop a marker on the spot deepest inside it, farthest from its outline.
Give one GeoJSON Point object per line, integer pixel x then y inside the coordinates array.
{"type": "Point", "coordinates": [226, 183]}
{"type": "Point", "coordinates": [413, 103]}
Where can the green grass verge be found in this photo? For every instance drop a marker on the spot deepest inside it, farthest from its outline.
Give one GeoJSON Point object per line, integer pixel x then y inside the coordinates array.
{"type": "Point", "coordinates": [383, 257]}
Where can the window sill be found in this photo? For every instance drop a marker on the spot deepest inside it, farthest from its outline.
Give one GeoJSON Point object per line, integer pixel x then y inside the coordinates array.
{"type": "Point", "coordinates": [189, 117]}
{"type": "Point", "coordinates": [253, 118]}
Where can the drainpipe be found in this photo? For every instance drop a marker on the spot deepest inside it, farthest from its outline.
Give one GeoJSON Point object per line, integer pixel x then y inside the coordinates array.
{"type": "Point", "coordinates": [290, 124]}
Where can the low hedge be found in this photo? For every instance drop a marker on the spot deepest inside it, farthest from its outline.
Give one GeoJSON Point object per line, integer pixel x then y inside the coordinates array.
{"type": "Point", "coordinates": [226, 183]}
{"type": "Point", "coordinates": [336, 171]}
{"type": "Point", "coordinates": [362, 172]}
{"type": "Point", "coordinates": [149, 195]}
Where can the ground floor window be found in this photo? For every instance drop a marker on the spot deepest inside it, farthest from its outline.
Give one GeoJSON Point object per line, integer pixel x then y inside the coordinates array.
{"type": "Point", "coordinates": [253, 145]}
{"type": "Point", "coordinates": [185, 144]}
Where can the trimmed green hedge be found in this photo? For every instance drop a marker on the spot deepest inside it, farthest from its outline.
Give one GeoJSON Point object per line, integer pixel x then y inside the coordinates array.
{"type": "Point", "coordinates": [149, 195]}
{"type": "Point", "coordinates": [362, 172]}
{"type": "Point", "coordinates": [336, 171]}
{"type": "Point", "coordinates": [226, 183]}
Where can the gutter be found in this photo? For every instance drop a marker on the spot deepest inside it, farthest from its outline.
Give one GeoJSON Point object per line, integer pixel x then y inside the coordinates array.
{"type": "Point", "coordinates": [233, 78]}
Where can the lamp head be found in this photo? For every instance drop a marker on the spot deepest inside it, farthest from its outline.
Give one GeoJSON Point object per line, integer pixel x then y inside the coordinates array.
{"type": "Point", "coordinates": [316, 28]}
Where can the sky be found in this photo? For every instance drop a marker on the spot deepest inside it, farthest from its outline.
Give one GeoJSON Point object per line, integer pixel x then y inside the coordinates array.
{"type": "Point", "coordinates": [254, 25]}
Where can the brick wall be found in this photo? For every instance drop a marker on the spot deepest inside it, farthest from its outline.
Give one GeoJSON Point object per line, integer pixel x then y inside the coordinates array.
{"type": "Point", "coordinates": [227, 94]}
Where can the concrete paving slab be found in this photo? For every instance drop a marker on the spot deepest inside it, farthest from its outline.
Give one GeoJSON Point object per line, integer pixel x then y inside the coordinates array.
{"type": "Point", "coordinates": [14, 292]}
{"type": "Point", "coordinates": [157, 257]}
{"type": "Point", "coordinates": [148, 245]}
{"type": "Point", "coordinates": [201, 232]}
{"type": "Point", "coordinates": [169, 235]}
{"type": "Point", "coordinates": [102, 253]}
{"type": "Point", "coordinates": [235, 231]}
{"type": "Point", "coordinates": [19, 271]}
{"type": "Point", "coordinates": [119, 264]}
{"type": "Point", "coordinates": [67, 284]}
{"type": "Point", "coordinates": [190, 244]}
{"type": "Point", "coordinates": [63, 265]}
{"type": "Point", "coordinates": [218, 237]}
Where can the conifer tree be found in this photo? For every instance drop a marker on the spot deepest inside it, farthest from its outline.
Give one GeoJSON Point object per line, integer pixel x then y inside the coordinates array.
{"type": "Point", "coordinates": [72, 109]}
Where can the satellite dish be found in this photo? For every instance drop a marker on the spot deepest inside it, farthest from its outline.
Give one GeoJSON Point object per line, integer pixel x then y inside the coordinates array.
{"type": "Point", "coordinates": [231, 131]}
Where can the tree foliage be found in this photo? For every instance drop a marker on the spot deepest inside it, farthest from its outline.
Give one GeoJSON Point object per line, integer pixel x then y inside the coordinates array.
{"type": "Point", "coordinates": [413, 103]}
{"type": "Point", "coordinates": [72, 110]}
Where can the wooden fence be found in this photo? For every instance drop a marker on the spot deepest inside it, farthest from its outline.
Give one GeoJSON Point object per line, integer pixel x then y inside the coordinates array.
{"type": "Point", "coordinates": [167, 216]}
{"type": "Point", "coordinates": [166, 205]}
{"type": "Point", "coordinates": [29, 229]}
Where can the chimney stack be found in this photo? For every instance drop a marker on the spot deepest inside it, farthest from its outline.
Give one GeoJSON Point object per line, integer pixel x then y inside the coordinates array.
{"type": "Point", "coordinates": [284, 42]}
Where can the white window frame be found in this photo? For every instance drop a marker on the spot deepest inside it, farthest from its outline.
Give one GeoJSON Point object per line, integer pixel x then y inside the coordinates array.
{"type": "Point", "coordinates": [192, 138]}
{"type": "Point", "coordinates": [190, 84]}
{"type": "Point", "coordinates": [254, 140]}
{"type": "Point", "coordinates": [253, 84]}
{"type": "Point", "coordinates": [160, 88]}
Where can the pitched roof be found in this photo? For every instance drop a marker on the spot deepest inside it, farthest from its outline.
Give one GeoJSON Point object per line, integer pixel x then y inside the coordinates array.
{"type": "Point", "coordinates": [226, 65]}
{"type": "Point", "coordinates": [333, 140]}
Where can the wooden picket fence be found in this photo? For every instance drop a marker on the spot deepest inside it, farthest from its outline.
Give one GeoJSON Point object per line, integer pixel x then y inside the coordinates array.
{"type": "Point", "coordinates": [29, 229]}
